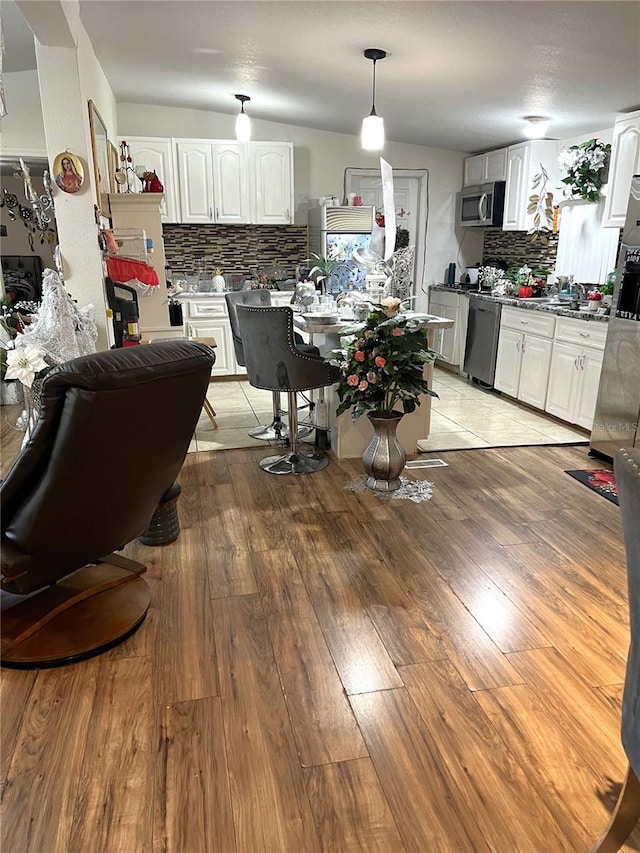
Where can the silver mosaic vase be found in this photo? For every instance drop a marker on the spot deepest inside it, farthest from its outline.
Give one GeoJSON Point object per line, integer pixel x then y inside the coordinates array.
{"type": "Point", "coordinates": [384, 458]}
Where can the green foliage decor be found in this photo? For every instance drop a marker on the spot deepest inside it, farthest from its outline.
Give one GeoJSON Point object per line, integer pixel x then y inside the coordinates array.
{"type": "Point", "coordinates": [586, 166]}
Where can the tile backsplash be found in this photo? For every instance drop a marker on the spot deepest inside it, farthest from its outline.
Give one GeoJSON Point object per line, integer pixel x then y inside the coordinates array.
{"type": "Point", "coordinates": [234, 248]}
{"type": "Point", "coordinates": [515, 247]}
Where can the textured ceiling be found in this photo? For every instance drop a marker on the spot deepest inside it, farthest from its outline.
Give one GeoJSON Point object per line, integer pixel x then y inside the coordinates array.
{"type": "Point", "coordinates": [459, 75]}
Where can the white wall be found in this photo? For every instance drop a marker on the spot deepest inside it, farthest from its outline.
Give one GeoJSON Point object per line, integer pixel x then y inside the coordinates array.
{"type": "Point", "coordinates": [320, 159]}
{"type": "Point", "coordinates": [22, 128]}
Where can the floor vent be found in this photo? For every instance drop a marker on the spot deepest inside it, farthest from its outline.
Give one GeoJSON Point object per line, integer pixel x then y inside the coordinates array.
{"type": "Point", "coordinates": [427, 463]}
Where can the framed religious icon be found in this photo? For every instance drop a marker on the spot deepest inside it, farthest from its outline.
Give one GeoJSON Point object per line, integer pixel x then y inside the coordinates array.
{"type": "Point", "coordinates": [100, 151]}
{"type": "Point", "coordinates": [68, 172]}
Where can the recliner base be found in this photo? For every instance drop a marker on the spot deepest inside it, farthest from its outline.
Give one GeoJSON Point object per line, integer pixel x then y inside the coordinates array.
{"type": "Point", "coordinates": [294, 463]}
{"type": "Point", "coordinates": [84, 614]}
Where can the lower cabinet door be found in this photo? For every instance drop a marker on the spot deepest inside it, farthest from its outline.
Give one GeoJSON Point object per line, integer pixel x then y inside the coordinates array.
{"type": "Point", "coordinates": [534, 372]}
{"type": "Point", "coordinates": [508, 362]}
{"type": "Point", "coordinates": [563, 381]}
{"type": "Point", "coordinates": [449, 339]}
{"type": "Point", "coordinates": [590, 369]}
{"type": "Point", "coordinates": [221, 332]}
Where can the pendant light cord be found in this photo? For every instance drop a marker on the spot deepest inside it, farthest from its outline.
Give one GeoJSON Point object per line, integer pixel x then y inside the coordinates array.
{"type": "Point", "coordinates": [373, 94]}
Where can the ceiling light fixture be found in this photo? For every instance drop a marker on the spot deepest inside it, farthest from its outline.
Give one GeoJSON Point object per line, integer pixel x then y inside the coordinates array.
{"type": "Point", "coordinates": [535, 127]}
{"type": "Point", "coordinates": [373, 126]}
{"type": "Point", "coordinates": [243, 122]}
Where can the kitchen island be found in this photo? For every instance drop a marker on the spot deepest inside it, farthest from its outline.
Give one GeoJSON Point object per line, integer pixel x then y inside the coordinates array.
{"type": "Point", "coordinates": [349, 438]}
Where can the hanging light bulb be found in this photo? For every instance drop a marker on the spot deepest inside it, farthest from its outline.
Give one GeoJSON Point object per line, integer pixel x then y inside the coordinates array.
{"type": "Point", "coordinates": [243, 122]}
{"type": "Point", "coordinates": [372, 136]}
{"type": "Point", "coordinates": [535, 127]}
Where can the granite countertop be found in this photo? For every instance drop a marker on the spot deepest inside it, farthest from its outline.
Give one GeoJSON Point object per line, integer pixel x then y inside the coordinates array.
{"type": "Point", "coordinates": [531, 304]}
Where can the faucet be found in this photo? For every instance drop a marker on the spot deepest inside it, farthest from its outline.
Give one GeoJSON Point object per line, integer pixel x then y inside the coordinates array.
{"type": "Point", "coordinates": [579, 289]}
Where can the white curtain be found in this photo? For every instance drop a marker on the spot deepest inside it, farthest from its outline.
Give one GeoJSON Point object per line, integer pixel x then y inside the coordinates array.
{"type": "Point", "coordinates": [586, 249]}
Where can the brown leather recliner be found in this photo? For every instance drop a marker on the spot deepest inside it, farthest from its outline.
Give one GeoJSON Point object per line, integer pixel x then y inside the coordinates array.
{"type": "Point", "coordinates": [112, 434]}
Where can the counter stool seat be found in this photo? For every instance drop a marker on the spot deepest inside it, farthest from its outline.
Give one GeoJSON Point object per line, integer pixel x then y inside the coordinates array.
{"type": "Point", "coordinates": [277, 430]}
{"type": "Point", "coordinates": [276, 362]}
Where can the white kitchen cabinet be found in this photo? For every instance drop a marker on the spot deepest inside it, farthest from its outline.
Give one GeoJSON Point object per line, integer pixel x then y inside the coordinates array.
{"type": "Point", "coordinates": [230, 182]}
{"type": "Point", "coordinates": [195, 180]}
{"type": "Point", "coordinates": [157, 155]}
{"type": "Point", "coordinates": [576, 363]}
{"type": "Point", "coordinates": [625, 162]}
{"type": "Point", "coordinates": [272, 179]}
{"type": "Point", "coordinates": [482, 168]}
{"type": "Point", "coordinates": [523, 164]}
{"type": "Point", "coordinates": [450, 343]}
{"type": "Point", "coordinates": [508, 361]}
{"type": "Point", "coordinates": [207, 317]}
{"type": "Point", "coordinates": [524, 355]}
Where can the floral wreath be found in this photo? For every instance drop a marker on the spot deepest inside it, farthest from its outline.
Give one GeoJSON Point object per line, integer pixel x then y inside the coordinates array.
{"type": "Point", "coordinates": [587, 166]}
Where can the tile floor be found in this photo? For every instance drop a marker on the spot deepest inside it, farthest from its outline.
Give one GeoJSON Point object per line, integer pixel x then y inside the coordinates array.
{"type": "Point", "coordinates": [463, 417]}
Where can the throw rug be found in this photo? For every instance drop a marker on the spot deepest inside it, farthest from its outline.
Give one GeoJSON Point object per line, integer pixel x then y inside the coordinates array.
{"type": "Point", "coordinates": [602, 482]}
{"type": "Point", "coordinates": [410, 490]}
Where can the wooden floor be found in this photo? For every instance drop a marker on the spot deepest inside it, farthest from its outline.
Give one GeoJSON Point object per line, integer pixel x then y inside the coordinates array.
{"type": "Point", "coordinates": [329, 671]}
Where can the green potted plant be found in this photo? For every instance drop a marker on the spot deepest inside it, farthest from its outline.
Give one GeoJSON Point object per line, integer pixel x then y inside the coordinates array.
{"type": "Point", "coordinates": [383, 369]}
{"type": "Point", "coordinates": [321, 269]}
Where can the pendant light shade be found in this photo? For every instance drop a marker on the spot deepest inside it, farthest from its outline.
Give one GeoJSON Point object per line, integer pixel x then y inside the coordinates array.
{"type": "Point", "coordinates": [372, 136]}
{"type": "Point", "coordinates": [243, 122]}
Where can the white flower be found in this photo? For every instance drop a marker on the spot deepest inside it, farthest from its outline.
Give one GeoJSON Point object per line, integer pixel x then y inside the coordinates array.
{"type": "Point", "coordinates": [24, 362]}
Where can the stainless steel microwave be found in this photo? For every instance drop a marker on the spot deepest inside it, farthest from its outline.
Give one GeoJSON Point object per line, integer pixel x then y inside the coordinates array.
{"type": "Point", "coordinates": [482, 204]}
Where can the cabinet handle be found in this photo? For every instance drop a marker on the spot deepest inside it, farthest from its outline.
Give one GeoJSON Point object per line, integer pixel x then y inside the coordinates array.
{"type": "Point", "coordinates": [582, 357]}
{"type": "Point", "coordinates": [217, 214]}
{"type": "Point", "coordinates": [584, 334]}
{"type": "Point", "coordinates": [482, 207]}
{"type": "Point", "coordinates": [286, 215]}
{"type": "Point", "coordinates": [524, 344]}
{"type": "Point", "coordinates": [518, 345]}
{"type": "Point", "coordinates": [575, 362]}
{"type": "Point", "coordinates": [524, 322]}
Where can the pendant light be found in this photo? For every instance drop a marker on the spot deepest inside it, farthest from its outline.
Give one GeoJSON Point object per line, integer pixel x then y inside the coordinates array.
{"type": "Point", "coordinates": [372, 136]}
{"type": "Point", "coordinates": [243, 122]}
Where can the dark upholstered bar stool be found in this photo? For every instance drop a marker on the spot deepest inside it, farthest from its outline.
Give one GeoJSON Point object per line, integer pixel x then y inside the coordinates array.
{"type": "Point", "coordinates": [276, 430]}
{"type": "Point", "coordinates": [275, 362]}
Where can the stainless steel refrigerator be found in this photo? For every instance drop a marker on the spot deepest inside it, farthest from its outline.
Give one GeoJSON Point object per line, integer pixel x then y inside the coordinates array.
{"type": "Point", "coordinates": [615, 423]}
{"type": "Point", "coordinates": [335, 232]}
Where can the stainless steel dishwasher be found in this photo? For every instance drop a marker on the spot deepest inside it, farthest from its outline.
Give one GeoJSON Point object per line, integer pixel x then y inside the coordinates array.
{"type": "Point", "coordinates": [482, 340]}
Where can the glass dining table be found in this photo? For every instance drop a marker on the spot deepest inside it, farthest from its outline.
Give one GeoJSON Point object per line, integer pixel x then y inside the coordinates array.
{"type": "Point", "coordinates": [348, 438]}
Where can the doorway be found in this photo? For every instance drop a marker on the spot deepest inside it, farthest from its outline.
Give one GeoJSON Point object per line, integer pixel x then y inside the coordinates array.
{"type": "Point", "coordinates": [410, 191]}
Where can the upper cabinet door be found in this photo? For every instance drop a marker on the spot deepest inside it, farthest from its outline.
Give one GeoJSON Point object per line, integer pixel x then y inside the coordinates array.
{"type": "Point", "coordinates": [495, 165]}
{"type": "Point", "coordinates": [483, 168]}
{"type": "Point", "coordinates": [474, 170]}
{"type": "Point", "coordinates": [195, 176]}
{"type": "Point", "coordinates": [524, 162]}
{"type": "Point", "coordinates": [625, 162]}
{"type": "Point", "coordinates": [272, 182]}
{"type": "Point", "coordinates": [514, 202]}
{"type": "Point", "coordinates": [231, 190]}
{"type": "Point", "coordinates": [157, 155]}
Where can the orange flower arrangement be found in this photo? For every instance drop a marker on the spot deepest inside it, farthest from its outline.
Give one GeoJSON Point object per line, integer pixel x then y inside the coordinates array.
{"type": "Point", "coordinates": [382, 366]}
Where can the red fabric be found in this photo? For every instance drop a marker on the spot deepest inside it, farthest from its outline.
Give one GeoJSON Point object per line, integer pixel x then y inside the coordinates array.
{"type": "Point", "coordinates": [125, 270]}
